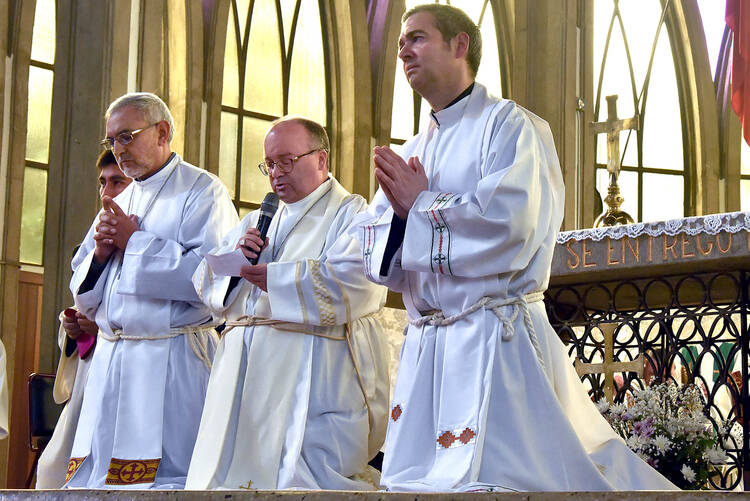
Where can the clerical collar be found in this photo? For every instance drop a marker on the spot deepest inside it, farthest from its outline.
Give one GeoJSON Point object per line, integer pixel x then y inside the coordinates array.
{"type": "Point", "coordinates": [160, 173]}
{"type": "Point", "coordinates": [436, 115]}
{"type": "Point", "coordinates": [299, 205]}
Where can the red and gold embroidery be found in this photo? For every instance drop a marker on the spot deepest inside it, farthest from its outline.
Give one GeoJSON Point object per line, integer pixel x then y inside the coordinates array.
{"type": "Point", "coordinates": [132, 471]}
{"type": "Point", "coordinates": [466, 436]}
{"type": "Point", "coordinates": [73, 466]}
{"type": "Point", "coordinates": [456, 438]}
{"type": "Point", "coordinates": [446, 439]}
{"type": "Point", "coordinates": [396, 412]}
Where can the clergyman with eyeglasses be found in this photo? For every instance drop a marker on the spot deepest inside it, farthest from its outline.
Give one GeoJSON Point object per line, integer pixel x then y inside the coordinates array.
{"type": "Point", "coordinates": [298, 392]}
{"type": "Point", "coordinates": [148, 374]}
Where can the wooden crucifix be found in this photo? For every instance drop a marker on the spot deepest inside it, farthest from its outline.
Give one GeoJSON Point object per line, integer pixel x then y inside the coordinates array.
{"type": "Point", "coordinates": [609, 366]}
{"type": "Point", "coordinates": [613, 215]}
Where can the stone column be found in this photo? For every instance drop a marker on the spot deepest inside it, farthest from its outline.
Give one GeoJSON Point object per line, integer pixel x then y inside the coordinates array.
{"type": "Point", "coordinates": [549, 75]}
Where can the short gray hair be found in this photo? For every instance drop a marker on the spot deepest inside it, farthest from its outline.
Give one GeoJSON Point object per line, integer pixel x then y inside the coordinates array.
{"type": "Point", "coordinates": [151, 105]}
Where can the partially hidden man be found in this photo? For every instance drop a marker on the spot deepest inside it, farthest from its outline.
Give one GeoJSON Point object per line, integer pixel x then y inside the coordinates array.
{"type": "Point", "coordinates": [464, 226]}
{"type": "Point", "coordinates": [298, 392]}
{"type": "Point", "coordinates": [75, 360]}
{"type": "Point", "coordinates": [148, 374]}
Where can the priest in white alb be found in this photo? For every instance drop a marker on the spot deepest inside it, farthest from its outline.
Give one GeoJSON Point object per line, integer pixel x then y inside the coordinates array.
{"type": "Point", "coordinates": [464, 227]}
{"type": "Point", "coordinates": [298, 392]}
{"type": "Point", "coordinates": [148, 374]}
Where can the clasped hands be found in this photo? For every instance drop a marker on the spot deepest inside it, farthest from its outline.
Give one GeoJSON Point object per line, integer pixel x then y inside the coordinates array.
{"type": "Point", "coordinates": [251, 245]}
{"type": "Point", "coordinates": [402, 182]}
{"type": "Point", "coordinates": [78, 324]}
{"type": "Point", "coordinates": [114, 229]}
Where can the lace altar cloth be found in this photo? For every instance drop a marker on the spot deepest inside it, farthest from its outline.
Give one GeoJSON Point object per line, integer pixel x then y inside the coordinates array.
{"type": "Point", "coordinates": [731, 222]}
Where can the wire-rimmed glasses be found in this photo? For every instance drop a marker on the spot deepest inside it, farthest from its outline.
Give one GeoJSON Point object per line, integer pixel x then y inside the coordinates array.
{"type": "Point", "coordinates": [285, 165]}
{"type": "Point", "coordinates": [124, 138]}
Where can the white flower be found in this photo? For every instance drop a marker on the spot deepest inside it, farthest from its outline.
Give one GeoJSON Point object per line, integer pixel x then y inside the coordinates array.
{"type": "Point", "coordinates": [688, 473]}
{"type": "Point", "coordinates": [637, 442]}
{"type": "Point", "coordinates": [618, 409]}
{"type": "Point", "coordinates": [715, 456]}
{"type": "Point", "coordinates": [662, 444]}
{"type": "Point", "coordinates": [602, 405]}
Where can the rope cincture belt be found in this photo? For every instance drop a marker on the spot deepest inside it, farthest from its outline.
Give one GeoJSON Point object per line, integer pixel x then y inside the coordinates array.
{"type": "Point", "coordinates": [197, 336]}
{"type": "Point", "coordinates": [438, 318]}
{"type": "Point", "coordinates": [310, 330]}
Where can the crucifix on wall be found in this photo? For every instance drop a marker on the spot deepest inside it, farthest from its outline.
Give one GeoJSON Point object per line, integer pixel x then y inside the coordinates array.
{"type": "Point", "coordinates": [613, 215]}
{"type": "Point", "coordinates": [609, 366]}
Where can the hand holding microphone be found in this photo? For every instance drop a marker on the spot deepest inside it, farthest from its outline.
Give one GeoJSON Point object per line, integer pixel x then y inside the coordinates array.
{"type": "Point", "coordinates": [254, 239]}
{"type": "Point", "coordinates": [251, 244]}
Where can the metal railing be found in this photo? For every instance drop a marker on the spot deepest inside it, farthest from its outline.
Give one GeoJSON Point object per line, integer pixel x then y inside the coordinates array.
{"type": "Point", "coordinates": [691, 328]}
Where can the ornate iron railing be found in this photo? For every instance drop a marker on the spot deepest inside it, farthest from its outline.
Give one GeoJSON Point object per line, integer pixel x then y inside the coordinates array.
{"type": "Point", "coordinates": [690, 328]}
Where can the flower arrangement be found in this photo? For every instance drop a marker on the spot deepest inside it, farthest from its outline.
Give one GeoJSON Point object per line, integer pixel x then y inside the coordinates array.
{"type": "Point", "coordinates": [664, 424]}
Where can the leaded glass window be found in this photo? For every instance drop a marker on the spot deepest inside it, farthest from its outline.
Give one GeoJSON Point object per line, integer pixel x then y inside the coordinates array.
{"type": "Point", "coordinates": [41, 77]}
{"type": "Point", "coordinates": [633, 59]}
{"type": "Point", "coordinates": [275, 63]}
{"type": "Point", "coordinates": [410, 112]}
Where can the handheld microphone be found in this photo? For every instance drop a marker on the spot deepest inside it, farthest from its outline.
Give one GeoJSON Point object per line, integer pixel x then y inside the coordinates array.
{"type": "Point", "coordinates": [268, 208]}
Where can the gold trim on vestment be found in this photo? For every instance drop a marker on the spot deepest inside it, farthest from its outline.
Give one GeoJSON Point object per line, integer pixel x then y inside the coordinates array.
{"type": "Point", "coordinates": [344, 297]}
{"type": "Point", "coordinates": [322, 295]}
{"type": "Point", "coordinates": [132, 471]}
{"type": "Point", "coordinates": [300, 295]}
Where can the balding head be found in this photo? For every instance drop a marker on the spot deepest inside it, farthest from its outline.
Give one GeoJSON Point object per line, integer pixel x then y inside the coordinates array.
{"type": "Point", "coordinates": [296, 150]}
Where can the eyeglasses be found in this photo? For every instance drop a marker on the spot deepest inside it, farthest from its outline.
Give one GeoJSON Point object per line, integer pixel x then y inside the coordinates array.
{"type": "Point", "coordinates": [124, 138]}
{"type": "Point", "coordinates": [285, 165]}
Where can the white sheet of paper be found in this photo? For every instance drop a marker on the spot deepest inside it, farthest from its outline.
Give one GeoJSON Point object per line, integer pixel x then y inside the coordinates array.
{"type": "Point", "coordinates": [228, 263]}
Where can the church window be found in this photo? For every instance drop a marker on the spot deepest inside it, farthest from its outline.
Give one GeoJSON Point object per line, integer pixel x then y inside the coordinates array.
{"type": "Point", "coordinates": [41, 76]}
{"type": "Point", "coordinates": [274, 64]}
{"type": "Point", "coordinates": [633, 59]}
{"type": "Point", "coordinates": [410, 112]}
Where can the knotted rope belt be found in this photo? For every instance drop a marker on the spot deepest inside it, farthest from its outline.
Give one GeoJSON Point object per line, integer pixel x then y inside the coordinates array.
{"type": "Point", "coordinates": [310, 330]}
{"type": "Point", "coordinates": [516, 304]}
{"type": "Point", "coordinates": [197, 335]}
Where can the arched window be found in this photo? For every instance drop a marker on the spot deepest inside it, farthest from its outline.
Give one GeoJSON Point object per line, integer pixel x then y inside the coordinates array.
{"type": "Point", "coordinates": [275, 63]}
{"type": "Point", "coordinates": [41, 76]}
{"type": "Point", "coordinates": [410, 114]}
{"type": "Point", "coordinates": [633, 59]}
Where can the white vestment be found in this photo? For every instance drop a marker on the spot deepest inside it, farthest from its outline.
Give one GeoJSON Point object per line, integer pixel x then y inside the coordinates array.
{"type": "Point", "coordinates": [489, 400]}
{"type": "Point", "coordinates": [141, 404]}
{"type": "Point", "coordinates": [70, 380]}
{"type": "Point", "coordinates": [284, 407]}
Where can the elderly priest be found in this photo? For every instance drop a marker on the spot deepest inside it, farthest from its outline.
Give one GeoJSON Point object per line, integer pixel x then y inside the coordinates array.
{"type": "Point", "coordinates": [148, 374]}
{"type": "Point", "coordinates": [298, 392]}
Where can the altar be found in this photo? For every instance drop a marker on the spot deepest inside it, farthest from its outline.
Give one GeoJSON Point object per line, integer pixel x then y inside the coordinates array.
{"type": "Point", "coordinates": [674, 293]}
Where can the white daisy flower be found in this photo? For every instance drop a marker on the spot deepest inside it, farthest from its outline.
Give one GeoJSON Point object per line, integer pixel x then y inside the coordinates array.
{"type": "Point", "coordinates": [688, 473]}
{"type": "Point", "coordinates": [662, 443]}
{"type": "Point", "coordinates": [715, 456]}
